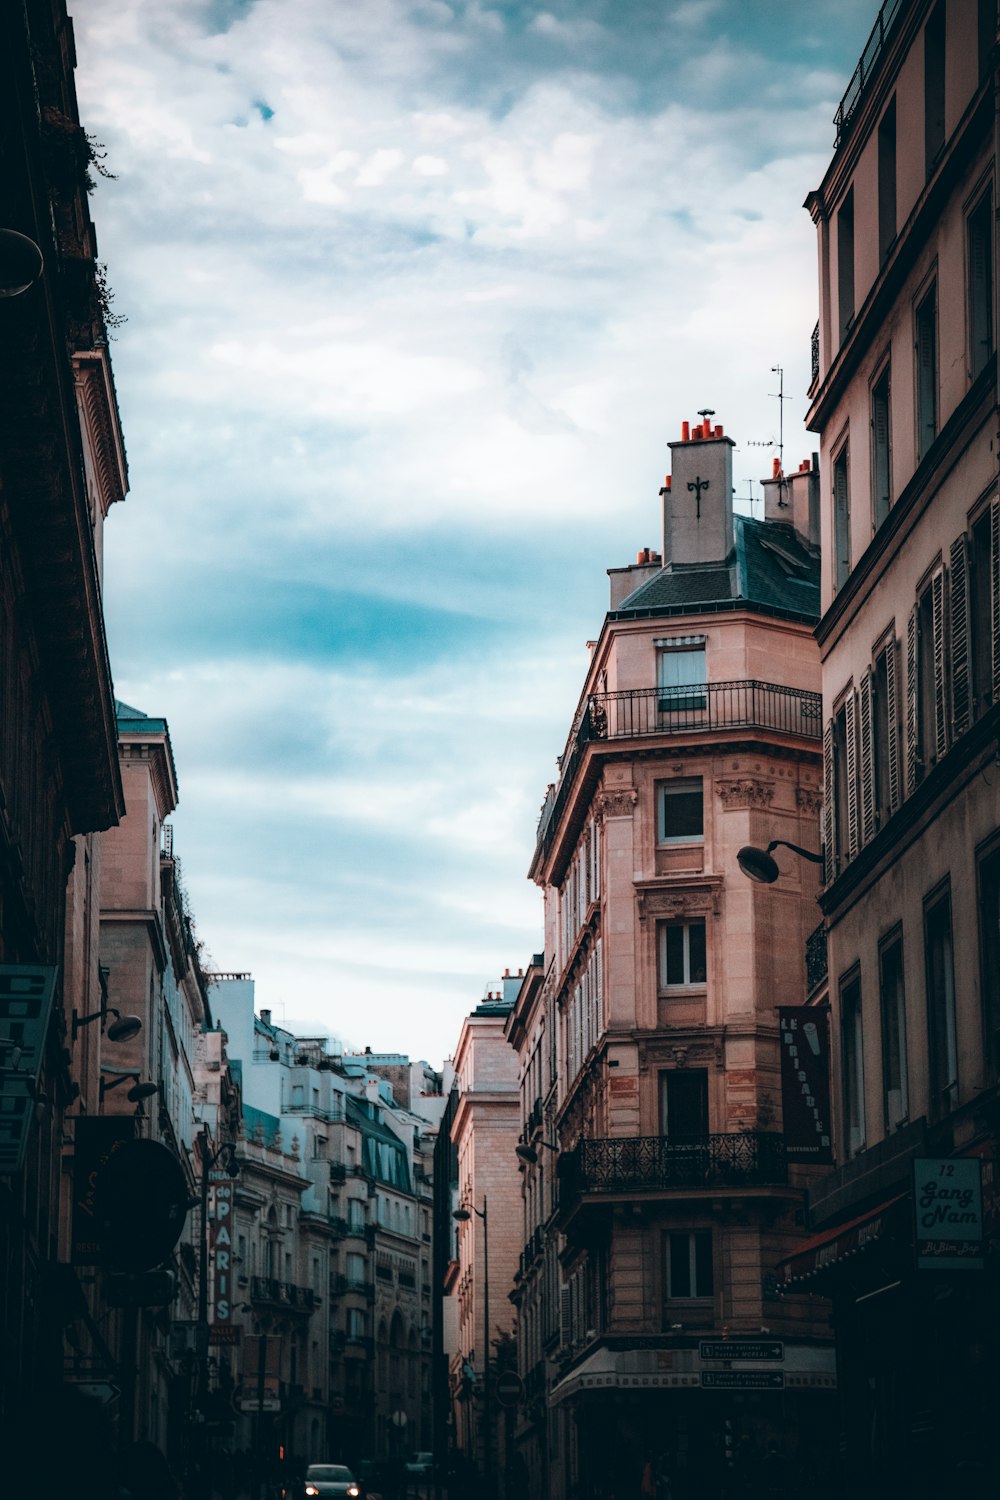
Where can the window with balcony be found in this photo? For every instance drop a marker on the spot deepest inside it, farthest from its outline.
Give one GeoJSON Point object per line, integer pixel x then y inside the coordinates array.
{"type": "Point", "coordinates": [989, 958]}
{"type": "Point", "coordinates": [845, 265]}
{"type": "Point", "coordinates": [852, 1064]}
{"type": "Point", "coordinates": [979, 233]}
{"type": "Point", "coordinates": [887, 181]}
{"type": "Point", "coordinates": [683, 957]}
{"type": "Point", "coordinates": [681, 675]}
{"type": "Point", "coordinates": [893, 1006]}
{"type": "Point", "coordinates": [934, 86]}
{"type": "Point", "coordinates": [688, 1274]}
{"type": "Point", "coordinates": [926, 343]}
{"type": "Point", "coordinates": [881, 449]}
{"type": "Point", "coordinates": [684, 1104]}
{"type": "Point", "coordinates": [941, 1035]}
{"type": "Point", "coordinates": [680, 812]}
{"type": "Point", "coordinates": [841, 519]}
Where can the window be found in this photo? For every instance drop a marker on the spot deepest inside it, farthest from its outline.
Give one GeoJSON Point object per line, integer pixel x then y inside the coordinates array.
{"type": "Point", "coordinates": [845, 265]}
{"type": "Point", "coordinates": [841, 520]}
{"type": "Point", "coordinates": [989, 959]}
{"type": "Point", "coordinates": [926, 685]}
{"type": "Point", "coordinates": [887, 181]}
{"type": "Point", "coordinates": [979, 232]}
{"type": "Point", "coordinates": [684, 1104]}
{"type": "Point", "coordinates": [682, 954]}
{"type": "Point", "coordinates": [934, 69]}
{"type": "Point", "coordinates": [681, 674]}
{"type": "Point", "coordinates": [982, 608]}
{"type": "Point", "coordinates": [986, 29]}
{"type": "Point", "coordinates": [680, 811]}
{"type": "Point", "coordinates": [927, 371]}
{"type": "Point", "coordinates": [885, 734]}
{"type": "Point", "coordinates": [688, 1265]}
{"type": "Point", "coordinates": [940, 962]}
{"type": "Point", "coordinates": [893, 1004]}
{"type": "Point", "coordinates": [844, 769]}
{"type": "Point", "coordinates": [852, 1065]}
{"type": "Point", "coordinates": [881, 450]}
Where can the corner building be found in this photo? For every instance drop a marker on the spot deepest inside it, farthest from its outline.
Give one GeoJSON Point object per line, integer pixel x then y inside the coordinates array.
{"type": "Point", "coordinates": [662, 1197]}
{"type": "Point", "coordinates": [905, 402]}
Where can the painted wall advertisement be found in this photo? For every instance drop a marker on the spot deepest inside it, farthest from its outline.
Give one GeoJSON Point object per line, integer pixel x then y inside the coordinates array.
{"type": "Point", "coordinates": [805, 1082]}
{"type": "Point", "coordinates": [948, 1210]}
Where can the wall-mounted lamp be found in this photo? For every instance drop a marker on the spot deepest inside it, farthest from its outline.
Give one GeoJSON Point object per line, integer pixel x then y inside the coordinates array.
{"type": "Point", "coordinates": [136, 1093]}
{"type": "Point", "coordinates": [529, 1153]}
{"type": "Point", "coordinates": [21, 263]}
{"type": "Point", "coordinates": [758, 864]}
{"type": "Point", "coordinates": [122, 1028]}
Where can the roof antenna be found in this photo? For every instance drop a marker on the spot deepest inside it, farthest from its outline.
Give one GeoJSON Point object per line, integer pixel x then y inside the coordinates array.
{"type": "Point", "coordinates": [781, 398]}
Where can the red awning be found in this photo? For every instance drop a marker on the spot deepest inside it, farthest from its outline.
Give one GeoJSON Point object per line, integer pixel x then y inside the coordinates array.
{"type": "Point", "coordinates": [843, 1240]}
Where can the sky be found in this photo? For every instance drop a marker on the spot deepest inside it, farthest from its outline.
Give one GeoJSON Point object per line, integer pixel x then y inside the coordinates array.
{"type": "Point", "coordinates": [416, 294]}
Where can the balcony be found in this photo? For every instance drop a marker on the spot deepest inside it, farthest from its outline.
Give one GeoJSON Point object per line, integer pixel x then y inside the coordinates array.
{"type": "Point", "coordinates": [866, 67]}
{"type": "Point", "coordinates": [338, 1171]}
{"type": "Point", "coordinates": [656, 1164]}
{"type": "Point", "coordinates": [816, 958]}
{"type": "Point", "coordinates": [699, 708]}
{"type": "Point", "coordinates": [265, 1290]}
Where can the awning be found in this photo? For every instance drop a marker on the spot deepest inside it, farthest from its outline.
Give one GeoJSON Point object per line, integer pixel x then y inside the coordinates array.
{"type": "Point", "coordinates": [799, 1365]}
{"type": "Point", "coordinates": [841, 1242]}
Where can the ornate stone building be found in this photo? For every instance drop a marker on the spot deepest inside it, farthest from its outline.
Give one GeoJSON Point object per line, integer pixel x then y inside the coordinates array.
{"type": "Point", "coordinates": [658, 1193]}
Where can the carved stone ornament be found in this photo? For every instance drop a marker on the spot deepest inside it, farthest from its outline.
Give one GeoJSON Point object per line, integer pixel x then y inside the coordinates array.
{"type": "Point", "coordinates": [618, 804]}
{"type": "Point", "coordinates": [676, 905]}
{"type": "Point", "coordinates": [745, 791]}
{"type": "Point", "coordinates": [809, 799]}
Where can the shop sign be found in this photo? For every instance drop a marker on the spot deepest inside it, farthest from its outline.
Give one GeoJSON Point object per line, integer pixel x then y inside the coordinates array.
{"type": "Point", "coordinates": [220, 1251]}
{"type": "Point", "coordinates": [95, 1140]}
{"type": "Point", "coordinates": [742, 1380]}
{"type": "Point", "coordinates": [805, 1083]}
{"type": "Point", "coordinates": [772, 1349]}
{"type": "Point", "coordinates": [26, 992]}
{"type": "Point", "coordinates": [948, 1212]}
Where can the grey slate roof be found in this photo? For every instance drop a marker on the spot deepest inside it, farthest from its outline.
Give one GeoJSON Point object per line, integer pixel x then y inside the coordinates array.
{"type": "Point", "coordinates": [769, 568]}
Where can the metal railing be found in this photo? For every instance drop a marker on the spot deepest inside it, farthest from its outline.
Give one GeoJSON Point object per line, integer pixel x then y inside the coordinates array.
{"type": "Point", "coordinates": [814, 352]}
{"type": "Point", "coordinates": [641, 712]}
{"type": "Point", "coordinates": [816, 958]}
{"type": "Point", "coordinates": [745, 1158]}
{"type": "Point", "coordinates": [866, 67]}
{"type": "Point", "coordinates": [283, 1293]}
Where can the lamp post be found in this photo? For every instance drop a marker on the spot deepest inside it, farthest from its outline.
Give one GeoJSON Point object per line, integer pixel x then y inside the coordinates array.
{"type": "Point", "coordinates": [463, 1215]}
{"type": "Point", "coordinates": [759, 864]}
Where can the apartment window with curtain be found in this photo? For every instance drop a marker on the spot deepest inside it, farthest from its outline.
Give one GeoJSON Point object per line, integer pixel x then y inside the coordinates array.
{"type": "Point", "coordinates": [680, 811]}
{"type": "Point", "coordinates": [845, 265]}
{"type": "Point", "coordinates": [979, 234]}
{"type": "Point", "coordinates": [926, 343]}
{"type": "Point", "coordinates": [683, 955]}
{"type": "Point", "coordinates": [887, 181]}
{"type": "Point", "coordinates": [940, 985]}
{"type": "Point", "coordinates": [881, 449]}
{"type": "Point", "coordinates": [852, 1051]}
{"type": "Point", "coordinates": [892, 998]}
{"type": "Point", "coordinates": [841, 519]}
{"type": "Point", "coordinates": [934, 86]}
{"type": "Point", "coordinates": [681, 674]}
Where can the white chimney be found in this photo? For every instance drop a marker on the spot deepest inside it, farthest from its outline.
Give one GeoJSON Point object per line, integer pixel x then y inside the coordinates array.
{"type": "Point", "coordinates": [698, 497]}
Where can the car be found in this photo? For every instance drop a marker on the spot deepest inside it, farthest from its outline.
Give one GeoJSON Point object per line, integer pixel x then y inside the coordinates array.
{"type": "Point", "coordinates": [331, 1482]}
{"type": "Point", "coordinates": [421, 1465]}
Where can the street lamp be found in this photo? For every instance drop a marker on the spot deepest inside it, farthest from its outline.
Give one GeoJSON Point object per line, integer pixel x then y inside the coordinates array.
{"type": "Point", "coordinates": [463, 1215]}
{"type": "Point", "coordinates": [529, 1154]}
{"type": "Point", "coordinates": [122, 1028]}
{"type": "Point", "coordinates": [759, 865]}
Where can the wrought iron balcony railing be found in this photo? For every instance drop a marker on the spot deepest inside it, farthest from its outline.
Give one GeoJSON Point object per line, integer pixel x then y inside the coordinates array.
{"type": "Point", "coordinates": [706, 706]}
{"type": "Point", "coordinates": [816, 958]}
{"type": "Point", "coordinates": [866, 67]}
{"type": "Point", "coordinates": [282, 1293]}
{"type": "Point", "coordinates": [656, 1163]}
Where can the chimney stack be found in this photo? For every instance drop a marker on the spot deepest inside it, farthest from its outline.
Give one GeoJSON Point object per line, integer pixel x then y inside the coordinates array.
{"type": "Point", "coordinates": [698, 496]}
{"type": "Point", "coordinates": [794, 498]}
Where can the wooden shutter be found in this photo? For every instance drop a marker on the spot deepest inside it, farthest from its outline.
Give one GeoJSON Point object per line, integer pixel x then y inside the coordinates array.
{"type": "Point", "coordinates": [851, 716]}
{"type": "Point", "coordinates": [565, 1335]}
{"type": "Point", "coordinates": [995, 592]}
{"type": "Point", "coordinates": [960, 685]}
{"type": "Point", "coordinates": [912, 722]}
{"type": "Point", "coordinates": [867, 762]}
{"type": "Point", "coordinates": [892, 711]}
{"type": "Point", "coordinates": [599, 986]}
{"type": "Point", "coordinates": [940, 680]}
{"type": "Point", "coordinates": [829, 794]}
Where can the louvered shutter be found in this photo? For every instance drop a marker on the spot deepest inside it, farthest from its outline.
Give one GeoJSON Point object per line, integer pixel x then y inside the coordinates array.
{"type": "Point", "coordinates": [867, 762]}
{"type": "Point", "coordinates": [995, 593]}
{"type": "Point", "coordinates": [599, 986]}
{"type": "Point", "coordinates": [912, 723]}
{"type": "Point", "coordinates": [829, 793]}
{"type": "Point", "coordinates": [960, 702]}
{"type": "Point", "coordinates": [851, 717]}
{"type": "Point", "coordinates": [940, 681]}
{"type": "Point", "coordinates": [892, 711]}
{"type": "Point", "coordinates": [565, 1337]}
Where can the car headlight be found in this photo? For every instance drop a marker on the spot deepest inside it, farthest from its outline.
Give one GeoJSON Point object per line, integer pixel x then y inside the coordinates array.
{"type": "Point", "coordinates": [353, 1491]}
{"type": "Point", "coordinates": [311, 1489]}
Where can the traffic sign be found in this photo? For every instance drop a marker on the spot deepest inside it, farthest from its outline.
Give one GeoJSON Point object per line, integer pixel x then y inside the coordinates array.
{"type": "Point", "coordinates": [260, 1403]}
{"type": "Point", "coordinates": [510, 1388]}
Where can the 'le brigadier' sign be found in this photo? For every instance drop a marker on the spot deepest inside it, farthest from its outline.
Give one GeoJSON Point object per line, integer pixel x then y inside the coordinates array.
{"type": "Point", "coordinates": [805, 1082]}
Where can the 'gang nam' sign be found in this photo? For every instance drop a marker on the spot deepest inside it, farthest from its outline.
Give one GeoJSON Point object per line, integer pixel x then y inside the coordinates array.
{"type": "Point", "coordinates": [948, 1209]}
